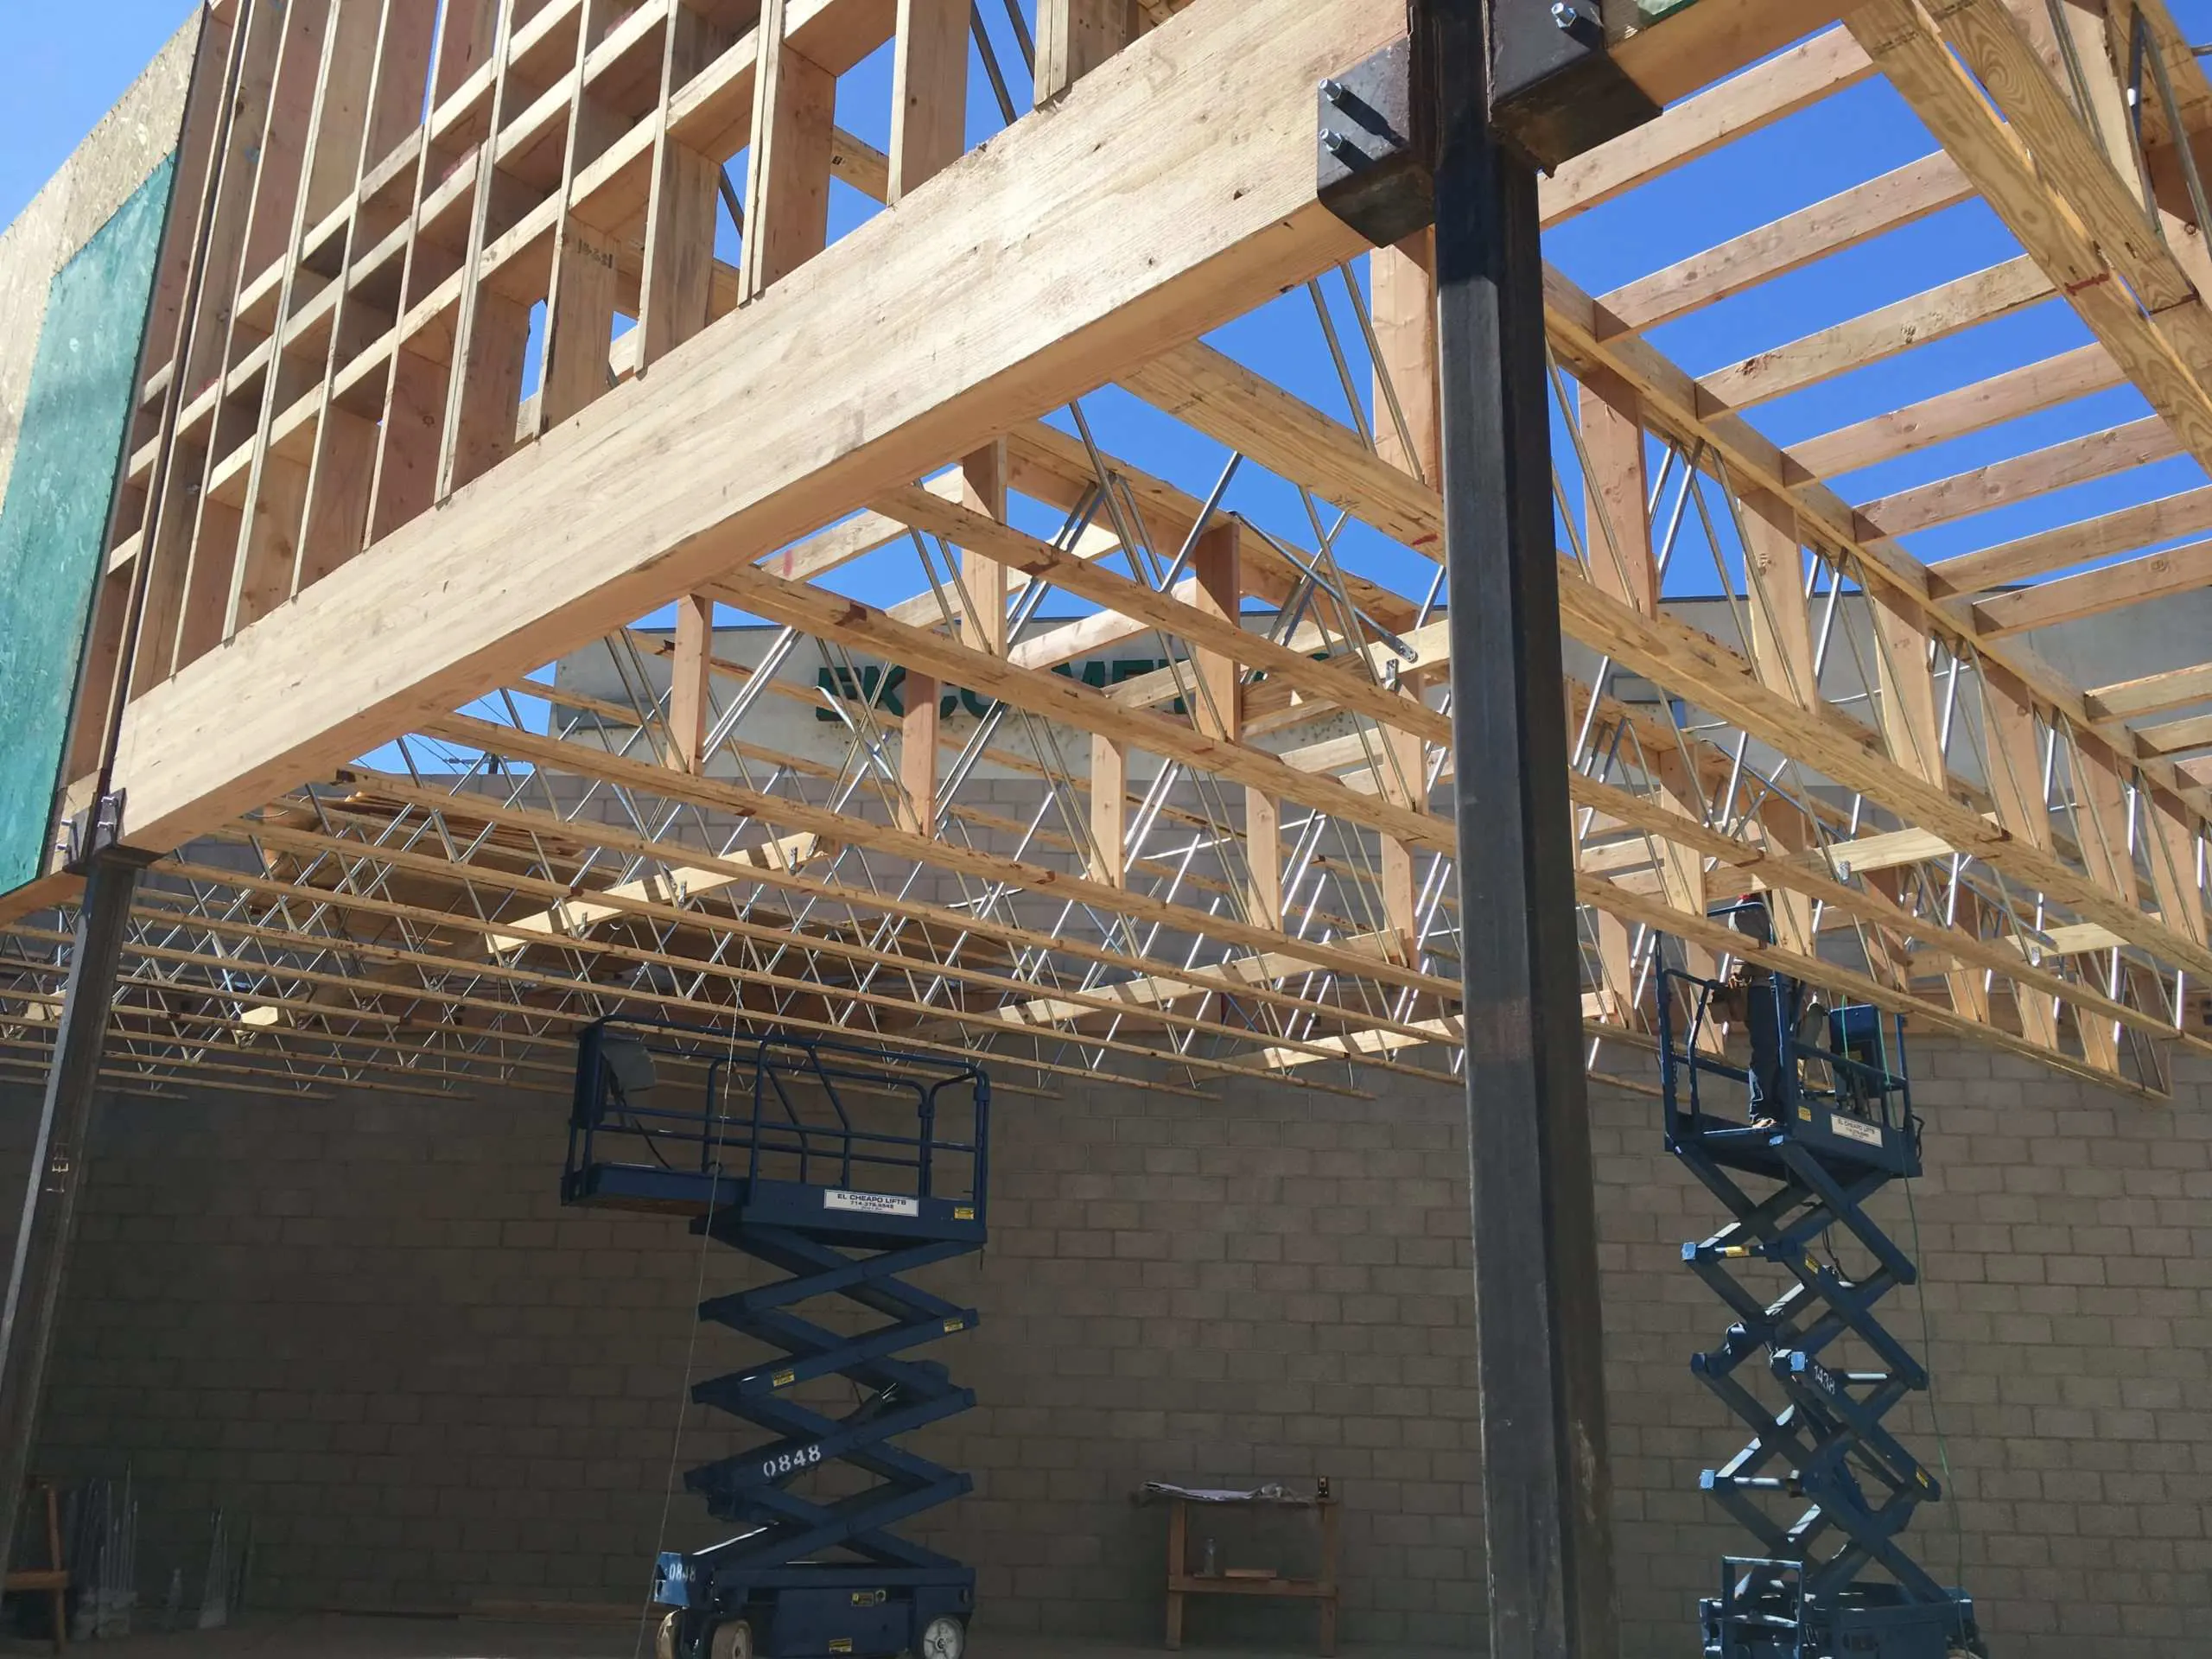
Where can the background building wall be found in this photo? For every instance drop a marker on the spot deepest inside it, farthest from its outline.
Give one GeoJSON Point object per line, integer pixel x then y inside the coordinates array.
{"type": "Point", "coordinates": [365, 1324]}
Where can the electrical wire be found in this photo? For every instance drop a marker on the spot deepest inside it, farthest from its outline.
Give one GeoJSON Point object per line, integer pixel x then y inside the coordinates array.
{"type": "Point", "coordinates": [1935, 1410]}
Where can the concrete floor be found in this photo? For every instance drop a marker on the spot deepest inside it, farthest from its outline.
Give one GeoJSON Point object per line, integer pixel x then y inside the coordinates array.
{"type": "Point", "coordinates": [346, 1636]}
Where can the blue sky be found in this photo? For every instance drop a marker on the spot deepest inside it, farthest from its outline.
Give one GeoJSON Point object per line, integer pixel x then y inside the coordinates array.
{"type": "Point", "coordinates": [66, 75]}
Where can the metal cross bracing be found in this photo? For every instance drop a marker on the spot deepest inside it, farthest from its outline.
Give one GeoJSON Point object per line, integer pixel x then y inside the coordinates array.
{"type": "Point", "coordinates": [1768, 689]}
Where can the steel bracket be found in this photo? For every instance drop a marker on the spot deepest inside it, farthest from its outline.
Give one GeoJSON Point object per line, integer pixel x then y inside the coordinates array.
{"type": "Point", "coordinates": [1370, 170]}
{"type": "Point", "coordinates": [96, 833]}
{"type": "Point", "coordinates": [1556, 90]}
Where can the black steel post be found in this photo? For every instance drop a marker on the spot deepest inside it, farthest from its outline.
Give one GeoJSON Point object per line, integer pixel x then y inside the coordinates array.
{"type": "Point", "coordinates": [1546, 1487]}
{"type": "Point", "coordinates": [56, 1171]}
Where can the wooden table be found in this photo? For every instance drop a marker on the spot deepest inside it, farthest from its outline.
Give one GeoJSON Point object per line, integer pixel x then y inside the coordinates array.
{"type": "Point", "coordinates": [53, 1579]}
{"type": "Point", "coordinates": [1181, 1581]}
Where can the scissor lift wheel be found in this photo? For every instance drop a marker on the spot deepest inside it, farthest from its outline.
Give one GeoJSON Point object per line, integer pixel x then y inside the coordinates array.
{"type": "Point", "coordinates": [730, 1641]}
{"type": "Point", "coordinates": [845, 1172]}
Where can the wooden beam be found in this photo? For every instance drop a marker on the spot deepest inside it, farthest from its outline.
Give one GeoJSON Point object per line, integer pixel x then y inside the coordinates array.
{"type": "Point", "coordinates": [1581, 338]}
{"type": "Point", "coordinates": [1859, 214]}
{"type": "Point", "coordinates": [1075, 36]}
{"type": "Point", "coordinates": [2046, 550]}
{"type": "Point", "coordinates": [787, 164]}
{"type": "Point", "coordinates": [1717, 936]}
{"type": "Point", "coordinates": [1107, 857]}
{"type": "Point", "coordinates": [2178, 736]}
{"type": "Point", "coordinates": [1217, 708]}
{"type": "Point", "coordinates": [829, 616]}
{"type": "Point", "coordinates": [2111, 588]}
{"type": "Point", "coordinates": [1222, 398]}
{"type": "Point", "coordinates": [1201, 624]}
{"type": "Point", "coordinates": [2048, 221]}
{"type": "Point", "coordinates": [929, 93]}
{"type": "Point", "coordinates": [1617, 536]}
{"type": "Point", "coordinates": [655, 900]}
{"type": "Point", "coordinates": [2002, 483]}
{"type": "Point", "coordinates": [1954, 414]}
{"type": "Point", "coordinates": [1263, 893]}
{"type": "Point", "coordinates": [1403, 304]}
{"type": "Point", "coordinates": [2153, 694]}
{"type": "Point", "coordinates": [1782, 624]}
{"type": "Point", "coordinates": [984, 581]}
{"type": "Point", "coordinates": [918, 757]}
{"type": "Point", "coordinates": [1693, 45]}
{"type": "Point", "coordinates": [2172, 842]}
{"type": "Point", "coordinates": [1736, 108]}
{"type": "Point", "coordinates": [1675, 655]}
{"type": "Point", "coordinates": [1880, 334]}
{"type": "Point", "coordinates": [676, 287]}
{"type": "Point", "coordinates": [1404, 780]}
{"type": "Point", "coordinates": [689, 701]}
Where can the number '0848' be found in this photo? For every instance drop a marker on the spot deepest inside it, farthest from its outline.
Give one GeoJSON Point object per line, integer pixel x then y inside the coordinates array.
{"type": "Point", "coordinates": [775, 1468]}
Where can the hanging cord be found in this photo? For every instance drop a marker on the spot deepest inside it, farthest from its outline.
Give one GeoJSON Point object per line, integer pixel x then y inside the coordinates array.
{"type": "Point", "coordinates": [1935, 1410]}
{"type": "Point", "coordinates": [690, 1354]}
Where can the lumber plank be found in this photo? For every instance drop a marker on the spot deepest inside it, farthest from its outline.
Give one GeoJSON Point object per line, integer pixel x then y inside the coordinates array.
{"type": "Point", "coordinates": [1859, 214]}
{"type": "Point", "coordinates": [929, 93]}
{"type": "Point", "coordinates": [2178, 736]}
{"type": "Point", "coordinates": [1075, 36]}
{"type": "Point", "coordinates": [2152, 694]}
{"type": "Point", "coordinates": [1758, 97]}
{"type": "Point", "coordinates": [2062, 545]}
{"type": "Point", "coordinates": [1962, 303]}
{"type": "Point", "coordinates": [2002, 483]}
{"type": "Point", "coordinates": [1696, 45]}
{"type": "Point", "coordinates": [2024, 391]}
{"type": "Point", "coordinates": [2155, 576]}
{"type": "Point", "coordinates": [787, 161]}
{"type": "Point", "coordinates": [1208, 628]}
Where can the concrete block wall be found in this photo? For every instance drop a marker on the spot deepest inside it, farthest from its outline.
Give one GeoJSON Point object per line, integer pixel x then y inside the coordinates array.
{"type": "Point", "coordinates": [367, 1324]}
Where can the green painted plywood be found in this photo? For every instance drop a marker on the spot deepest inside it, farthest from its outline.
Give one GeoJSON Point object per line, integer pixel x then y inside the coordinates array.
{"type": "Point", "coordinates": [53, 521]}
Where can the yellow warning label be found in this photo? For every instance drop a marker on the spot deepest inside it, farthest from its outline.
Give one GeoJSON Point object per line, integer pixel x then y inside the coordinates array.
{"type": "Point", "coordinates": [841, 1644]}
{"type": "Point", "coordinates": [782, 1379]}
{"type": "Point", "coordinates": [950, 1326]}
{"type": "Point", "coordinates": [963, 1212]}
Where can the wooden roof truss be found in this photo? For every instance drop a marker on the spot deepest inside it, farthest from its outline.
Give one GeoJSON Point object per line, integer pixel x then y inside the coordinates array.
{"type": "Point", "coordinates": [346, 532]}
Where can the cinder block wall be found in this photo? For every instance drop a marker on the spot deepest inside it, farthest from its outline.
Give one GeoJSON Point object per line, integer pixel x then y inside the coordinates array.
{"type": "Point", "coordinates": [368, 1325]}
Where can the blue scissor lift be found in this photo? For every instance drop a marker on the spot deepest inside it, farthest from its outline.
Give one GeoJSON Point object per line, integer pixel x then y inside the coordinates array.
{"type": "Point", "coordinates": [1794, 1142]}
{"type": "Point", "coordinates": [845, 1170]}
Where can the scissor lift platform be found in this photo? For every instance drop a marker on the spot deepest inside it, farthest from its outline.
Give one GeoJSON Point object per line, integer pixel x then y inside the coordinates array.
{"type": "Point", "coordinates": [845, 1170]}
{"type": "Point", "coordinates": [1794, 1141]}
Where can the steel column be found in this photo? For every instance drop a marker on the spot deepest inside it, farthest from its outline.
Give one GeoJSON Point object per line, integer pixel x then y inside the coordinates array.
{"type": "Point", "coordinates": [55, 1174]}
{"type": "Point", "coordinates": [1546, 1484]}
